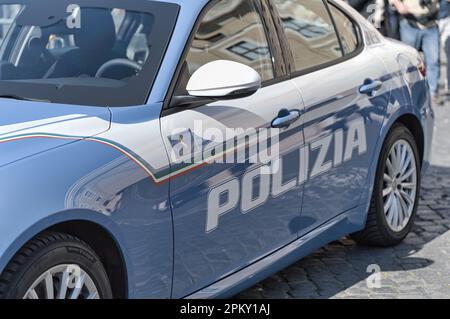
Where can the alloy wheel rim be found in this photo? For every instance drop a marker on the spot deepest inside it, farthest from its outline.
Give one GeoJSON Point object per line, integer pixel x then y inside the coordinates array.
{"type": "Point", "coordinates": [63, 282]}
{"type": "Point", "coordinates": [400, 185]}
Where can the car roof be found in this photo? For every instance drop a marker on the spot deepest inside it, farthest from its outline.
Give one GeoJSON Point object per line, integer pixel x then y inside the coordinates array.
{"type": "Point", "coordinates": [189, 7]}
{"type": "Point", "coordinates": [191, 3]}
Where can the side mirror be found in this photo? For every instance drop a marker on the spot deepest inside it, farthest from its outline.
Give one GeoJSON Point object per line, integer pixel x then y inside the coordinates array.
{"type": "Point", "coordinates": [224, 79]}
{"type": "Point", "coordinates": [219, 80]}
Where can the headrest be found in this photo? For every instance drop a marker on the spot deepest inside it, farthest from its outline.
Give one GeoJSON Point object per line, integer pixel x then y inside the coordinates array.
{"type": "Point", "coordinates": [97, 31]}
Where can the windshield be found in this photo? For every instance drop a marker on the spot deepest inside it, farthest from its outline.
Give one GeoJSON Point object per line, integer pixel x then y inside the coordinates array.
{"type": "Point", "coordinates": [94, 52]}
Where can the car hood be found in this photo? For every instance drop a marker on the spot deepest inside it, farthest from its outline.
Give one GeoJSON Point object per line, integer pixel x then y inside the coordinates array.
{"type": "Point", "coordinates": [28, 128]}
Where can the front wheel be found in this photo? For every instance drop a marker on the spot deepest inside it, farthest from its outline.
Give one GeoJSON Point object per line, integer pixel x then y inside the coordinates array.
{"type": "Point", "coordinates": [396, 191]}
{"type": "Point", "coordinates": [55, 266]}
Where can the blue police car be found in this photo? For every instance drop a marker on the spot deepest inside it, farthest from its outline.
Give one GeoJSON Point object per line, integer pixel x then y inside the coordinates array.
{"type": "Point", "coordinates": [189, 149]}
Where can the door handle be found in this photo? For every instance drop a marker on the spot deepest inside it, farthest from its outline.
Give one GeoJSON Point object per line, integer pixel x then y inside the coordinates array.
{"type": "Point", "coordinates": [370, 87]}
{"type": "Point", "coordinates": [285, 118]}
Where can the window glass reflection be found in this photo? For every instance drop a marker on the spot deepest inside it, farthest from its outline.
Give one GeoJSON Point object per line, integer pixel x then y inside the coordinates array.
{"type": "Point", "coordinates": [232, 30]}
{"type": "Point", "coordinates": [310, 32]}
{"type": "Point", "coordinates": [346, 30]}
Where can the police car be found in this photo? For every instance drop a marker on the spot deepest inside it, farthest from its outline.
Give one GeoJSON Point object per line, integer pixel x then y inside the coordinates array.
{"type": "Point", "coordinates": [189, 149]}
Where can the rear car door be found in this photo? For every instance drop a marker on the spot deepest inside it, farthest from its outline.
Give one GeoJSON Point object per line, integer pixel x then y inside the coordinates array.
{"type": "Point", "coordinates": [229, 213]}
{"type": "Point", "coordinates": [341, 83]}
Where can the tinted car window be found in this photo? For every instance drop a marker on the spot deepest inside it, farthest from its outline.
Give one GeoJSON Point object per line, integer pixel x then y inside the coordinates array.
{"type": "Point", "coordinates": [7, 13]}
{"type": "Point", "coordinates": [346, 30]}
{"type": "Point", "coordinates": [77, 56]}
{"type": "Point", "coordinates": [310, 32]}
{"type": "Point", "coordinates": [232, 30]}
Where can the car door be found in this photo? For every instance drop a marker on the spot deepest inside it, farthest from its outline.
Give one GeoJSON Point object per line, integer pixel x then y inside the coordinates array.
{"type": "Point", "coordinates": [230, 210]}
{"type": "Point", "coordinates": [341, 83]}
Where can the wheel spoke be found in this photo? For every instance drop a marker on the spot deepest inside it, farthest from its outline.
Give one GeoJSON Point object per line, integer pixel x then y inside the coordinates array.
{"type": "Point", "coordinates": [388, 203]}
{"type": "Point", "coordinates": [396, 211]}
{"type": "Point", "coordinates": [401, 212]}
{"type": "Point", "coordinates": [394, 162]}
{"type": "Point", "coordinates": [393, 211]}
{"type": "Point", "coordinates": [405, 207]}
{"type": "Point", "coordinates": [64, 284]}
{"type": "Point", "coordinates": [390, 168]}
{"type": "Point", "coordinates": [387, 178]}
{"type": "Point", "coordinates": [406, 164]}
{"type": "Point", "coordinates": [78, 286]}
{"type": "Point", "coordinates": [49, 289]}
{"type": "Point", "coordinates": [403, 157]}
{"type": "Point", "coordinates": [32, 294]}
{"type": "Point", "coordinates": [387, 191]}
{"type": "Point", "coordinates": [409, 185]}
{"type": "Point", "coordinates": [398, 151]}
{"type": "Point", "coordinates": [407, 197]}
{"type": "Point", "coordinates": [93, 295]}
{"type": "Point", "coordinates": [407, 175]}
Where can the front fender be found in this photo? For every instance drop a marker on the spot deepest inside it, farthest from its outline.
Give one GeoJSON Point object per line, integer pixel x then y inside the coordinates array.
{"type": "Point", "coordinates": [97, 181]}
{"type": "Point", "coordinates": [18, 234]}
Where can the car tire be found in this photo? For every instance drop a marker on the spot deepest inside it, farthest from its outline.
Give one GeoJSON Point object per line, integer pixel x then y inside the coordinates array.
{"type": "Point", "coordinates": [383, 228]}
{"type": "Point", "coordinates": [57, 260]}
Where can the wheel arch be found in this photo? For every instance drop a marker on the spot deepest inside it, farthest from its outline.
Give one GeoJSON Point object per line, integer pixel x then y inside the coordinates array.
{"type": "Point", "coordinates": [410, 121]}
{"type": "Point", "coordinates": [407, 117]}
{"type": "Point", "coordinates": [93, 228]}
{"type": "Point", "coordinates": [103, 243]}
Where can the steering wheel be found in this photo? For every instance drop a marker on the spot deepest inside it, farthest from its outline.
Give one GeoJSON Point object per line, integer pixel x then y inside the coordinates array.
{"type": "Point", "coordinates": [118, 62]}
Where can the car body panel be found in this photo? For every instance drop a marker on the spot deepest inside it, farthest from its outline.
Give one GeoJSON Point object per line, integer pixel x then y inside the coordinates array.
{"type": "Point", "coordinates": [205, 253]}
{"type": "Point", "coordinates": [335, 228]}
{"type": "Point", "coordinates": [124, 191]}
{"type": "Point", "coordinates": [37, 127]}
{"type": "Point", "coordinates": [333, 108]}
{"type": "Point", "coordinates": [110, 166]}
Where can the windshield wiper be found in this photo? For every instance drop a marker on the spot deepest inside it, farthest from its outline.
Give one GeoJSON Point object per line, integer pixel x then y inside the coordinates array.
{"type": "Point", "coordinates": [21, 98]}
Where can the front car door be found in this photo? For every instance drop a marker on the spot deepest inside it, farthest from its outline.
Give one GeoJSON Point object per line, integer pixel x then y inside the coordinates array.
{"type": "Point", "coordinates": [229, 209]}
{"type": "Point", "coordinates": [341, 83]}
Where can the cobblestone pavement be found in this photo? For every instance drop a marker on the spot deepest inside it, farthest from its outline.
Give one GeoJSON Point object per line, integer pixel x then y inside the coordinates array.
{"type": "Point", "coordinates": [417, 268]}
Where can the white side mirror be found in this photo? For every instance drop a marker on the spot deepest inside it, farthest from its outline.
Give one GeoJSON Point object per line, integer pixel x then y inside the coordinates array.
{"type": "Point", "coordinates": [224, 79]}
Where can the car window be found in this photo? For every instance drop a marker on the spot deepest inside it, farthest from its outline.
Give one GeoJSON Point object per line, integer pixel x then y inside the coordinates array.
{"type": "Point", "coordinates": [8, 14]}
{"type": "Point", "coordinates": [232, 30]}
{"type": "Point", "coordinates": [139, 48]}
{"type": "Point", "coordinates": [346, 29]}
{"type": "Point", "coordinates": [310, 32]}
{"type": "Point", "coordinates": [63, 41]}
{"type": "Point", "coordinates": [76, 56]}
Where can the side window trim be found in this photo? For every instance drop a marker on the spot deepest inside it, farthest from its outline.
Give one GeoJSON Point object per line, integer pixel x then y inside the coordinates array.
{"type": "Point", "coordinates": [359, 36]}
{"type": "Point", "coordinates": [336, 30]}
{"type": "Point", "coordinates": [282, 39]}
{"type": "Point", "coordinates": [273, 39]}
{"type": "Point", "coordinates": [266, 22]}
{"type": "Point", "coordinates": [266, 25]}
{"type": "Point", "coordinates": [289, 60]}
